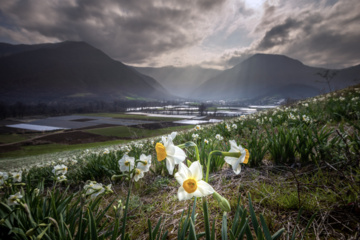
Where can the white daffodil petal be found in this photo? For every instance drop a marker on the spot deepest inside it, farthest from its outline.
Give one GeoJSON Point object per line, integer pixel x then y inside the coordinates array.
{"type": "Point", "coordinates": [196, 170]}
{"type": "Point", "coordinates": [170, 148]}
{"type": "Point", "coordinates": [204, 188]}
{"type": "Point", "coordinates": [237, 169]}
{"type": "Point", "coordinates": [230, 160]}
{"type": "Point", "coordinates": [183, 195]}
{"type": "Point", "coordinates": [232, 144]}
{"type": "Point", "coordinates": [179, 155]}
{"type": "Point", "coordinates": [170, 165]}
{"type": "Point", "coordinates": [173, 135]}
{"type": "Point", "coordinates": [184, 171]}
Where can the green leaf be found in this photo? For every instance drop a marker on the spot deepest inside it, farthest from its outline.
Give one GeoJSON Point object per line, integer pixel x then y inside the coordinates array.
{"type": "Point", "coordinates": [206, 217]}
{"type": "Point", "coordinates": [92, 226]}
{"type": "Point", "coordinates": [193, 211]}
{"type": "Point", "coordinates": [242, 230]}
{"type": "Point", "coordinates": [192, 234]}
{"type": "Point", "coordinates": [253, 216]}
{"type": "Point", "coordinates": [157, 228]}
{"type": "Point", "coordinates": [43, 233]}
{"type": "Point", "coordinates": [212, 237]}
{"type": "Point", "coordinates": [278, 234]}
{"type": "Point", "coordinates": [150, 230]}
{"type": "Point", "coordinates": [308, 225]}
{"type": "Point", "coordinates": [265, 228]}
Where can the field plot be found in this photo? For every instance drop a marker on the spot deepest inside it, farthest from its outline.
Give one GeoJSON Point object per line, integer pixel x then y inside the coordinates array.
{"type": "Point", "coordinates": [78, 121]}
{"type": "Point", "coordinates": [79, 132]}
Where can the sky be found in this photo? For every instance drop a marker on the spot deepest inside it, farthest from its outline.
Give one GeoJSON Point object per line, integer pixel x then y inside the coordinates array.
{"type": "Point", "coordinates": [210, 33]}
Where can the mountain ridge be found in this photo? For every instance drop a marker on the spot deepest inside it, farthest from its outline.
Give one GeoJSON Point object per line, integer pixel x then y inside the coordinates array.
{"type": "Point", "coordinates": [263, 74]}
{"type": "Point", "coordinates": [56, 71]}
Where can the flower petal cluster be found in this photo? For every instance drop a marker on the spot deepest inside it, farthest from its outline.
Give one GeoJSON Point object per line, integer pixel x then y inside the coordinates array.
{"type": "Point", "coordinates": [235, 161]}
{"type": "Point", "coordinates": [61, 178]}
{"type": "Point", "coordinates": [12, 200]}
{"type": "Point", "coordinates": [126, 163]}
{"type": "Point", "coordinates": [3, 177]}
{"type": "Point", "coordinates": [191, 183]}
{"type": "Point", "coordinates": [145, 162]}
{"type": "Point", "coordinates": [197, 128]}
{"type": "Point", "coordinates": [17, 176]}
{"type": "Point", "coordinates": [94, 189]}
{"type": "Point", "coordinates": [219, 137]}
{"type": "Point", "coordinates": [173, 154]}
{"type": "Point", "coordinates": [60, 170]}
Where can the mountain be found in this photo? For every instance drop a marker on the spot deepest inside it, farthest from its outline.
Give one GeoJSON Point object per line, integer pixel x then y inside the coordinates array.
{"type": "Point", "coordinates": [180, 81]}
{"type": "Point", "coordinates": [273, 75]}
{"type": "Point", "coordinates": [69, 71]}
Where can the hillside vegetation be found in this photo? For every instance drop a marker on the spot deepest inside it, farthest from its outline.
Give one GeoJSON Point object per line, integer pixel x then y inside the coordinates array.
{"type": "Point", "coordinates": [301, 181]}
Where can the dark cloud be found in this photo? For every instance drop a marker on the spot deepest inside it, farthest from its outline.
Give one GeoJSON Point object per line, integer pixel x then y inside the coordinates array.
{"type": "Point", "coordinates": [325, 37]}
{"type": "Point", "coordinates": [279, 34]}
{"type": "Point", "coordinates": [131, 31]}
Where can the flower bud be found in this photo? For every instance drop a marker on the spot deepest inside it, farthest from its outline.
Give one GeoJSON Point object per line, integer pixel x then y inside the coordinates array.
{"type": "Point", "coordinates": [30, 232]}
{"type": "Point", "coordinates": [223, 202]}
{"type": "Point", "coordinates": [116, 177]}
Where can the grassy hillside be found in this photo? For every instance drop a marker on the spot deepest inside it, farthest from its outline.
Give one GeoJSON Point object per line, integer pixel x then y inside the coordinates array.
{"type": "Point", "coordinates": [302, 180]}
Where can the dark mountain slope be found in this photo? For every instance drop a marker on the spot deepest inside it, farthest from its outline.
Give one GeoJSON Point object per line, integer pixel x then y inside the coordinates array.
{"type": "Point", "coordinates": [264, 74]}
{"type": "Point", "coordinates": [71, 69]}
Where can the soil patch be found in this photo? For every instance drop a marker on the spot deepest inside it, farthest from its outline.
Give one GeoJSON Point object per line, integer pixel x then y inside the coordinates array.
{"type": "Point", "coordinates": [69, 138]}
{"type": "Point", "coordinates": [10, 130]}
{"type": "Point", "coordinates": [83, 120]}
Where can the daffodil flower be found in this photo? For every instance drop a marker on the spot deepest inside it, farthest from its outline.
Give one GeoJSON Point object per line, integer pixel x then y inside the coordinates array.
{"type": "Point", "coordinates": [61, 178]}
{"type": "Point", "coordinates": [126, 163]}
{"type": "Point", "coordinates": [235, 161]}
{"type": "Point", "coordinates": [139, 173]}
{"type": "Point", "coordinates": [12, 200]}
{"type": "Point", "coordinates": [94, 189]}
{"type": "Point", "coordinates": [60, 170]}
{"type": "Point", "coordinates": [145, 162]}
{"type": "Point", "coordinates": [16, 176]}
{"type": "Point", "coordinates": [191, 182]}
{"type": "Point", "coordinates": [3, 177]}
{"type": "Point", "coordinates": [170, 152]}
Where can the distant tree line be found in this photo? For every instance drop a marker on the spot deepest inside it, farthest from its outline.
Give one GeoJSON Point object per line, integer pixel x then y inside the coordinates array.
{"type": "Point", "coordinates": [21, 109]}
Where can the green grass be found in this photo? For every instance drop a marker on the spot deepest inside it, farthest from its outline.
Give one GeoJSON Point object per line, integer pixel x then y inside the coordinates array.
{"type": "Point", "coordinates": [125, 132]}
{"type": "Point", "coordinates": [10, 138]}
{"type": "Point", "coordinates": [132, 116]}
{"type": "Point", "coordinates": [28, 151]}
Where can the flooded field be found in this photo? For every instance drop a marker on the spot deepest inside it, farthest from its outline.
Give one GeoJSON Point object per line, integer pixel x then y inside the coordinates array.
{"type": "Point", "coordinates": [75, 122]}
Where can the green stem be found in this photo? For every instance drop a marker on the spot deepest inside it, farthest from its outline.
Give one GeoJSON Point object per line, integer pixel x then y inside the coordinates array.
{"type": "Point", "coordinates": [125, 212]}
{"type": "Point", "coordinates": [197, 153]}
{"type": "Point", "coordinates": [218, 153]}
{"type": "Point", "coordinates": [191, 144]}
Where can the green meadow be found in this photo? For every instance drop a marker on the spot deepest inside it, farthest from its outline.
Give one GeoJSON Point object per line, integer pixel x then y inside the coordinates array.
{"type": "Point", "coordinates": [287, 173]}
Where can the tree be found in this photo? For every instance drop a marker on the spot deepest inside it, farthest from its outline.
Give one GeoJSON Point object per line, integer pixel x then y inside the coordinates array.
{"type": "Point", "coordinates": [328, 75]}
{"type": "Point", "coordinates": [202, 109]}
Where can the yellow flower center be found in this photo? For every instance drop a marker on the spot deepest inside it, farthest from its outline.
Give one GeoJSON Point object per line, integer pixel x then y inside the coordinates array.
{"type": "Point", "coordinates": [127, 163]}
{"type": "Point", "coordinates": [160, 151]}
{"type": "Point", "coordinates": [190, 185]}
{"type": "Point", "coordinates": [246, 160]}
{"type": "Point", "coordinates": [145, 163]}
{"type": "Point", "coordinates": [137, 171]}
